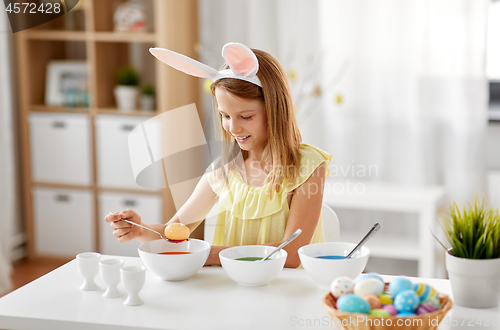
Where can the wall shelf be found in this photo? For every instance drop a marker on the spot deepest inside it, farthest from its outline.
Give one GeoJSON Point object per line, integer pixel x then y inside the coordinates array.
{"type": "Point", "coordinates": [46, 108]}
{"type": "Point", "coordinates": [55, 35]}
{"type": "Point", "coordinates": [136, 112]}
{"type": "Point", "coordinates": [123, 37]}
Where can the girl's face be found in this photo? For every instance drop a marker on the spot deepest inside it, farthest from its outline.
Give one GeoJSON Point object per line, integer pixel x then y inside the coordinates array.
{"type": "Point", "coordinates": [244, 119]}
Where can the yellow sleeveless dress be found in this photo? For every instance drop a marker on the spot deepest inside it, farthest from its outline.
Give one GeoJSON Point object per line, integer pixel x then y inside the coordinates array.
{"type": "Point", "coordinates": [247, 215]}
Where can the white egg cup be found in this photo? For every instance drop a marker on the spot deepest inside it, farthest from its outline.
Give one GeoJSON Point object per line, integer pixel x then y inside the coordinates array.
{"type": "Point", "coordinates": [133, 278]}
{"type": "Point", "coordinates": [88, 266]}
{"type": "Point", "coordinates": [110, 273]}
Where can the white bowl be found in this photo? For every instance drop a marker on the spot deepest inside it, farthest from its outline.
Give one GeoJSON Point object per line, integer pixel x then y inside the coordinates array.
{"type": "Point", "coordinates": [174, 267]}
{"type": "Point", "coordinates": [252, 273]}
{"type": "Point", "coordinates": [324, 271]}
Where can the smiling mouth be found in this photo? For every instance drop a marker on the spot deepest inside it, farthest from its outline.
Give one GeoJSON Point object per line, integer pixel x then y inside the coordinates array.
{"type": "Point", "coordinates": [242, 138]}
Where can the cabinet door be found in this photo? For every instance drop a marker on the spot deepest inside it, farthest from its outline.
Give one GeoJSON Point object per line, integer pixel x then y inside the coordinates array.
{"type": "Point", "coordinates": [60, 147]}
{"type": "Point", "coordinates": [148, 206]}
{"type": "Point", "coordinates": [113, 160]}
{"type": "Point", "coordinates": [63, 221]}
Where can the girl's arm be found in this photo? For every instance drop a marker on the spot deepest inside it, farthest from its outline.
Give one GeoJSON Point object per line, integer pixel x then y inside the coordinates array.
{"type": "Point", "coordinates": [196, 208]}
{"type": "Point", "coordinates": [191, 214]}
{"type": "Point", "coordinates": [305, 209]}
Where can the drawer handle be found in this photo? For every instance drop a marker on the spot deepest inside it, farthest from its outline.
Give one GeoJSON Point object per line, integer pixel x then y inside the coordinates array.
{"type": "Point", "coordinates": [129, 202]}
{"type": "Point", "coordinates": [59, 124]}
{"type": "Point", "coordinates": [62, 198]}
{"type": "Point", "coordinates": [128, 127]}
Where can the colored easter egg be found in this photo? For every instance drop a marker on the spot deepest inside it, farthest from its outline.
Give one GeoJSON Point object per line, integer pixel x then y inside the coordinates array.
{"type": "Point", "coordinates": [385, 299]}
{"type": "Point", "coordinates": [177, 231]}
{"type": "Point", "coordinates": [426, 308]}
{"type": "Point", "coordinates": [379, 312]}
{"type": "Point", "coordinates": [341, 286]}
{"type": "Point", "coordinates": [390, 309]}
{"type": "Point", "coordinates": [369, 286]}
{"type": "Point", "coordinates": [407, 301]}
{"type": "Point", "coordinates": [352, 303]}
{"type": "Point", "coordinates": [400, 284]}
{"type": "Point", "coordinates": [406, 314]}
{"type": "Point", "coordinates": [370, 275]}
{"type": "Point", "coordinates": [373, 301]}
{"type": "Point", "coordinates": [434, 301]}
{"type": "Point", "coordinates": [424, 291]}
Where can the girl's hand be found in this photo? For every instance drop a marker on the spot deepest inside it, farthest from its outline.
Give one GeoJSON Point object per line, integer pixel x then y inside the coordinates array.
{"type": "Point", "coordinates": [123, 231]}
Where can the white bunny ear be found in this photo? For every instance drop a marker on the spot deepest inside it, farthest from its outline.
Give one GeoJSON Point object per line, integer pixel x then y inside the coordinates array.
{"type": "Point", "coordinates": [240, 58]}
{"type": "Point", "coordinates": [183, 63]}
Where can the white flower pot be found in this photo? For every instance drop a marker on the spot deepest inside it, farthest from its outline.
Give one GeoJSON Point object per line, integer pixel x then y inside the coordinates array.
{"type": "Point", "coordinates": [147, 103]}
{"type": "Point", "coordinates": [126, 98]}
{"type": "Point", "coordinates": [475, 283]}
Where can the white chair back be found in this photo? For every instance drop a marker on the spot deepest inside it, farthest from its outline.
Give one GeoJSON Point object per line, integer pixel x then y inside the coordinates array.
{"type": "Point", "coordinates": [331, 226]}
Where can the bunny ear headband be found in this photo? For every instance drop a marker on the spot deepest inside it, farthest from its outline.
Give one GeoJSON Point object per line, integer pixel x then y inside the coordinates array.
{"type": "Point", "coordinates": [242, 63]}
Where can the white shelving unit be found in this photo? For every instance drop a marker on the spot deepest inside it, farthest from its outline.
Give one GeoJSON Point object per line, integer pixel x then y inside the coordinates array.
{"type": "Point", "coordinates": [421, 200]}
{"type": "Point", "coordinates": [77, 157]}
{"type": "Point", "coordinates": [384, 247]}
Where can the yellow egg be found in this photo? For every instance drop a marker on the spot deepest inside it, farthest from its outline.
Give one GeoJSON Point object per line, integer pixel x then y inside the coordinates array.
{"type": "Point", "coordinates": [385, 299]}
{"type": "Point", "coordinates": [177, 231]}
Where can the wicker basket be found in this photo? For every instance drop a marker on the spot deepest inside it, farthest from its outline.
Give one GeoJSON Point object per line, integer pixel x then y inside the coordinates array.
{"type": "Point", "coordinates": [359, 321]}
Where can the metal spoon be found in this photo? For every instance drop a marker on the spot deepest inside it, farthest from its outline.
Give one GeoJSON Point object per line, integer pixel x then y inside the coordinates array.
{"type": "Point", "coordinates": [288, 240]}
{"type": "Point", "coordinates": [372, 232]}
{"type": "Point", "coordinates": [144, 227]}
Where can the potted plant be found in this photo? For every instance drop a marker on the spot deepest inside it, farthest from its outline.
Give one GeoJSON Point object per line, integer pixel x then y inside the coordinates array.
{"type": "Point", "coordinates": [473, 261]}
{"type": "Point", "coordinates": [148, 98]}
{"type": "Point", "coordinates": [126, 92]}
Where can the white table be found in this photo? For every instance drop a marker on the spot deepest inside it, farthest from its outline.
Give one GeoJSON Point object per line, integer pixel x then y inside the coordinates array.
{"type": "Point", "coordinates": [209, 300]}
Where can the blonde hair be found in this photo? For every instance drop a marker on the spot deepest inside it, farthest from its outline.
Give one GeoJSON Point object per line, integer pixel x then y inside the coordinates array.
{"type": "Point", "coordinates": [284, 139]}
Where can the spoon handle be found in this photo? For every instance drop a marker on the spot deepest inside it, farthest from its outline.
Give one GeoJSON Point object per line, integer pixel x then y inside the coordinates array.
{"type": "Point", "coordinates": [288, 240]}
{"type": "Point", "coordinates": [372, 232]}
{"type": "Point", "coordinates": [144, 227]}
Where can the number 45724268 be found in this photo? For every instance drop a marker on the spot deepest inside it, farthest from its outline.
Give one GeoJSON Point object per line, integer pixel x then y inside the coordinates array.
{"type": "Point", "coordinates": [33, 8]}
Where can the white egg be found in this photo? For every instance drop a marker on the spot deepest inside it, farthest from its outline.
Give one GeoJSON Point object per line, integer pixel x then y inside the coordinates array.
{"type": "Point", "coordinates": [369, 286]}
{"type": "Point", "coordinates": [341, 286]}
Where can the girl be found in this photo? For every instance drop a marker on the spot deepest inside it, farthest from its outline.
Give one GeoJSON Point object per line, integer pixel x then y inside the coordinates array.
{"type": "Point", "coordinates": [278, 185]}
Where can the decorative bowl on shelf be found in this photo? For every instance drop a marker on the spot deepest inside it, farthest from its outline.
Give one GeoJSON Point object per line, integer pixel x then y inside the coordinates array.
{"type": "Point", "coordinates": [314, 259]}
{"type": "Point", "coordinates": [252, 273]}
{"type": "Point", "coordinates": [174, 261]}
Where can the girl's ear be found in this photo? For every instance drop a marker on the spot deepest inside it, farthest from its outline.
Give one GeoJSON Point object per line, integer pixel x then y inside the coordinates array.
{"type": "Point", "coordinates": [183, 63]}
{"type": "Point", "coordinates": [240, 59]}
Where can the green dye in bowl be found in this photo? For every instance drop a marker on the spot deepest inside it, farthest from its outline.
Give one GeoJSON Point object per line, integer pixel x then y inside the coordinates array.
{"type": "Point", "coordinates": [251, 258]}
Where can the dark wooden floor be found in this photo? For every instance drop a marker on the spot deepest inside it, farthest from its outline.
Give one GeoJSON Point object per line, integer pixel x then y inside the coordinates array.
{"type": "Point", "coordinates": [25, 271]}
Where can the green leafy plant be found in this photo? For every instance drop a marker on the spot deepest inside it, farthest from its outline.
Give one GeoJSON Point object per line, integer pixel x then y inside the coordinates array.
{"type": "Point", "coordinates": [127, 76]}
{"type": "Point", "coordinates": [473, 233]}
{"type": "Point", "coordinates": [148, 89]}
